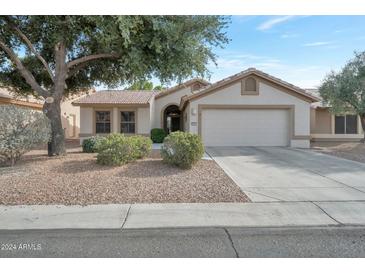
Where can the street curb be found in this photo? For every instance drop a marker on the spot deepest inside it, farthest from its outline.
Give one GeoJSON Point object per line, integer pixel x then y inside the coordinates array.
{"type": "Point", "coordinates": [143, 216]}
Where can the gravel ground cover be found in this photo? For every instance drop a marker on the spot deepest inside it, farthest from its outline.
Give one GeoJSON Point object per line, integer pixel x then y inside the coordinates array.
{"type": "Point", "coordinates": [76, 179]}
{"type": "Point", "coordinates": [349, 150]}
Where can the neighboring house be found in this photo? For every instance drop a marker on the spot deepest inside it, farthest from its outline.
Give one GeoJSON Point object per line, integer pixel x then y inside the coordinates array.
{"type": "Point", "coordinates": [250, 108]}
{"type": "Point", "coordinates": [326, 126]}
{"type": "Point", "coordinates": [8, 98]}
{"type": "Point", "coordinates": [70, 114]}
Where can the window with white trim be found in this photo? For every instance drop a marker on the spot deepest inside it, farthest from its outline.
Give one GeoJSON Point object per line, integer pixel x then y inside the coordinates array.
{"type": "Point", "coordinates": [346, 124]}
{"type": "Point", "coordinates": [127, 122]}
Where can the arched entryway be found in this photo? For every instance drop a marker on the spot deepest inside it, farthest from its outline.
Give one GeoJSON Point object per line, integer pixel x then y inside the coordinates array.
{"type": "Point", "coordinates": [172, 119]}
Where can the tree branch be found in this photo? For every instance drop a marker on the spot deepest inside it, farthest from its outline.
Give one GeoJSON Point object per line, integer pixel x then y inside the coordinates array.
{"type": "Point", "coordinates": [27, 75]}
{"type": "Point", "coordinates": [30, 45]}
{"type": "Point", "coordinates": [91, 58]}
{"type": "Point", "coordinates": [76, 68]}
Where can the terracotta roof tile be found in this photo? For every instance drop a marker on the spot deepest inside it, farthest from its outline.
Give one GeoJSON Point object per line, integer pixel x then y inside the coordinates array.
{"type": "Point", "coordinates": [117, 97]}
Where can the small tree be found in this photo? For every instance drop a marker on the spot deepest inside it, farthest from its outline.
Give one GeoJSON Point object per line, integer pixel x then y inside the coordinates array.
{"type": "Point", "coordinates": [344, 91]}
{"type": "Point", "coordinates": [21, 129]}
{"type": "Point", "coordinates": [54, 56]}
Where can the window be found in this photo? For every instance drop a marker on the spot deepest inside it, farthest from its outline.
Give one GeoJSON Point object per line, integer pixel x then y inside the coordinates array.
{"type": "Point", "coordinates": [102, 121]}
{"type": "Point", "coordinates": [346, 124]}
{"type": "Point", "coordinates": [127, 122]}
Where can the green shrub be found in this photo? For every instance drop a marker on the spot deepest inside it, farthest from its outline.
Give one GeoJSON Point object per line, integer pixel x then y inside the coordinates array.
{"type": "Point", "coordinates": [90, 145]}
{"type": "Point", "coordinates": [118, 149]}
{"type": "Point", "coordinates": [182, 149]}
{"type": "Point", "coordinates": [158, 135]}
{"type": "Point", "coordinates": [114, 150]}
{"type": "Point", "coordinates": [21, 129]}
{"type": "Point", "coordinates": [142, 146]}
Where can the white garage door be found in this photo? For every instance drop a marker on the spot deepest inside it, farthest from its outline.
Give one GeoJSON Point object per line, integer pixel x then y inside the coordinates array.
{"type": "Point", "coordinates": [245, 127]}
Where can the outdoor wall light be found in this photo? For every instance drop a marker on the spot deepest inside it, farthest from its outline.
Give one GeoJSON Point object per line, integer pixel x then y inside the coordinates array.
{"type": "Point", "coordinates": [193, 111]}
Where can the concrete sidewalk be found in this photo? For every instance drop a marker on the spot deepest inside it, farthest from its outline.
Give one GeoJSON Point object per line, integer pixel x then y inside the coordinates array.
{"type": "Point", "coordinates": [274, 214]}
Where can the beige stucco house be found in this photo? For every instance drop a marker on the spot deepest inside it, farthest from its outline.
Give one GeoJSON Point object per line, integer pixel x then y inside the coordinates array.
{"type": "Point", "coordinates": [70, 114]}
{"type": "Point", "coordinates": [251, 108]}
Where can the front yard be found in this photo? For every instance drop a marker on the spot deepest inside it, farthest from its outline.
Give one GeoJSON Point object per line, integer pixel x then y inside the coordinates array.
{"type": "Point", "coordinates": [354, 151]}
{"type": "Point", "coordinates": [77, 179]}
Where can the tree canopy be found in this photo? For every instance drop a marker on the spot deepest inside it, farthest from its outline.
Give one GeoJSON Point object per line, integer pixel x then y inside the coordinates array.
{"type": "Point", "coordinates": [144, 85]}
{"type": "Point", "coordinates": [344, 91]}
{"type": "Point", "coordinates": [53, 56]}
{"type": "Point", "coordinates": [108, 50]}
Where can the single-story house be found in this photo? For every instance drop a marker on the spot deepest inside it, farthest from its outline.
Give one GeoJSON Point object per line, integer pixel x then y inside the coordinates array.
{"type": "Point", "coordinates": [70, 114]}
{"type": "Point", "coordinates": [251, 108]}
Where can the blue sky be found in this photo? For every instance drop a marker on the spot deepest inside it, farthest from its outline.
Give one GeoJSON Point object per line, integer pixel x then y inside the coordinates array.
{"type": "Point", "coordinates": [297, 49]}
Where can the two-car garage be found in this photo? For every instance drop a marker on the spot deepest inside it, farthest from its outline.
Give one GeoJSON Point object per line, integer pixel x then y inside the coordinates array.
{"type": "Point", "coordinates": [245, 127]}
{"type": "Point", "coordinates": [251, 108]}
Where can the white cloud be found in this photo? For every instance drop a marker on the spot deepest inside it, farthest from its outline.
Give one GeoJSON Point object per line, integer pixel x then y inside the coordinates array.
{"type": "Point", "coordinates": [288, 35]}
{"type": "Point", "coordinates": [274, 21]}
{"type": "Point", "coordinates": [302, 75]}
{"type": "Point", "coordinates": [246, 60]}
{"type": "Point", "coordinates": [318, 44]}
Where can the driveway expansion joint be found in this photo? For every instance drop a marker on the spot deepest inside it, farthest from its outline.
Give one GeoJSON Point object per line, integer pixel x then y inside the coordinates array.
{"type": "Point", "coordinates": [325, 212]}
{"type": "Point", "coordinates": [126, 216]}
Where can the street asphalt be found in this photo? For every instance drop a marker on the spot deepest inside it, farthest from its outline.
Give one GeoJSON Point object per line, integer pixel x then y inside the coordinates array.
{"type": "Point", "coordinates": [186, 242]}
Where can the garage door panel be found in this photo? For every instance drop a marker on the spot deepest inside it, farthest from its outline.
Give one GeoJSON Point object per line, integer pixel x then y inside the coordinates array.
{"type": "Point", "coordinates": [245, 127]}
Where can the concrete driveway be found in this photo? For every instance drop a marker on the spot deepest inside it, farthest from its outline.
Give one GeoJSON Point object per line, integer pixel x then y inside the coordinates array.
{"type": "Point", "coordinates": [268, 174]}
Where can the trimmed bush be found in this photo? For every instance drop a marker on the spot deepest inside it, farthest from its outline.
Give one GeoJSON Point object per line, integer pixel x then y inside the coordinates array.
{"type": "Point", "coordinates": [90, 145]}
{"type": "Point", "coordinates": [117, 149]}
{"type": "Point", "coordinates": [21, 129]}
{"type": "Point", "coordinates": [142, 146]}
{"type": "Point", "coordinates": [182, 149]}
{"type": "Point", "coordinates": [158, 135]}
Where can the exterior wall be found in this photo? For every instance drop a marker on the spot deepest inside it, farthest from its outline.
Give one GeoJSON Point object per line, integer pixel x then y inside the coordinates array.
{"type": "Point", "coordinates": [70, 116]}
{"type": "Point", "coordinates": [268, 95]}
{"type": "Point", "coordinates": [152, 113]}
{"type": "Point", "coordinates": [143, 121]}
{"type": "Point", "coordinates": [321, 122]}
{"type": "Point", "coordinates": [323, 128]}
{"type": "Point", "coordinates": [186, 114]}
{"type": "Point", "coordinates": [161, 103]}
{"type": "Point", "coordinates": [87, 119]}
{"type": "Point", "coordinates": [86, 122]}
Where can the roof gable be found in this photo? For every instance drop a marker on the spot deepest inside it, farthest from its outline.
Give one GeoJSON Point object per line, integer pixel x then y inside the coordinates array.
{"type": "Point", "coordinates": [186, 84]}
{"type": "Point", "coordinates": [289, 88]}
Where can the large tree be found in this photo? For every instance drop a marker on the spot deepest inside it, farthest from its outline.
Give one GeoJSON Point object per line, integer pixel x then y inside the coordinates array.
{"type": "Point", "coordinates": [53, 56]}
{"type": "Point", "coordinates": [144, 85]}
{"type": "Point", "coordinates": [344, 91]}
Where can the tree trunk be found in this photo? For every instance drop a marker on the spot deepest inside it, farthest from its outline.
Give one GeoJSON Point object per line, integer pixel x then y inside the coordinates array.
{"type": "Point", "coordinates": [362, 119]}
{"type": "Point", "coordinates": [57, 142]}
{"type": "Point", "coordinates": [53, 110]}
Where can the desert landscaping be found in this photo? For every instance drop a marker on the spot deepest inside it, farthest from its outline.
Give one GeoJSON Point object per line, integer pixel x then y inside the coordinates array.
{"type": "Point", "coordinates": [78, 179]}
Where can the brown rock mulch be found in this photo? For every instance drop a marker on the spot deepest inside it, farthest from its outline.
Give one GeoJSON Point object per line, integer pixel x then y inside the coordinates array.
{"type": "Point", "coordinates": [354, 151]}
{"type": "Point", "coordinates": [76, 179]}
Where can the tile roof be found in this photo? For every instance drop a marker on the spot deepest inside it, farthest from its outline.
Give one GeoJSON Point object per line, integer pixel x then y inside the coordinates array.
{"type": "Point", "coordinates": [117, 97]}
{"type": "Point", "coordinates": [181, 86]}
{"type": "Point", "coordinates": [316, 93]}
{"type": "Point", "coordinates": [8, 94]}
